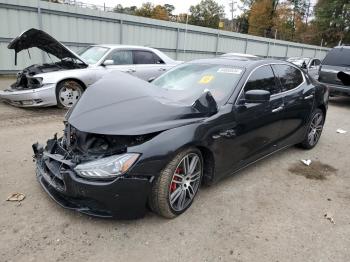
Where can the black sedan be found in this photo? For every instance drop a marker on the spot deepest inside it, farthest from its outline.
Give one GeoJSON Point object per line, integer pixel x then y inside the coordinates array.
{"type": "Point", "coordinates": [129, 144]}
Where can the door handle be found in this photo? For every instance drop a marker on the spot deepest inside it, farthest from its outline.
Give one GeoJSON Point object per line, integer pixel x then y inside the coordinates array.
{"type": "Point", "coordinates": [131, 70]}
{"type": "Point", "coordinates": [308, 97]}
{"type": "Point", "coordinates": [278, 109]}
{"type": "Point", "coordinates": [162, 69]}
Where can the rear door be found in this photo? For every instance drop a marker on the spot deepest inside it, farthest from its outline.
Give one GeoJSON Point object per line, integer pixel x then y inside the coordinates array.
{"type": "Point", "coordinates": [148, 64]}
{"type": "Point", "coordinates": [298, 96]}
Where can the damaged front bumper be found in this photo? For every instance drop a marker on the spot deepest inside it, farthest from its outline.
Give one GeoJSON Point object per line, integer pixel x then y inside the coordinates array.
{"type": "Point", "coordinates": [123, 198]}
{"type": "Point", "coordinates": [38, 97]}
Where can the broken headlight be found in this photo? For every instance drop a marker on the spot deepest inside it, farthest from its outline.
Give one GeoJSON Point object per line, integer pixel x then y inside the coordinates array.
{"type": "Point", "coordinates": [108, 167]}
{"type": "Point", "coordinates": [34, 82]}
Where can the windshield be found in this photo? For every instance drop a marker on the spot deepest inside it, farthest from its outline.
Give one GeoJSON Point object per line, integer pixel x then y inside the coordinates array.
{"type": "Point", "coordinates": [93, 54]}
{"type": "Point", "coordinates": [338, 57]}
{"type": "Point", "coordinates": [187, 82]}
{"type": "Point", "coordinates": [299, 61]}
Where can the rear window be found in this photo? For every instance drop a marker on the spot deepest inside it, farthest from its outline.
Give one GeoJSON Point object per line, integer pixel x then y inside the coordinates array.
{"type": "Point", "coordinates": [338, 57]}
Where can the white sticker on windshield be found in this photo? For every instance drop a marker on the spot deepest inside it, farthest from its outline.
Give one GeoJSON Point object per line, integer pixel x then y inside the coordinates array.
{"type": "Point", "coordinates": [229, 70]}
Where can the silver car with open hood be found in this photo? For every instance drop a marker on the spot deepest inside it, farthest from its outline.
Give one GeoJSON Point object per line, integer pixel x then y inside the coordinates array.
{"type": "Point", "coordinates": [62, 82]}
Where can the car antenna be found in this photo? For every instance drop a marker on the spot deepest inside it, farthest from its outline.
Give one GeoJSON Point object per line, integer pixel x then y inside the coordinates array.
{"type": "Point", "coordinates": [29, 54]}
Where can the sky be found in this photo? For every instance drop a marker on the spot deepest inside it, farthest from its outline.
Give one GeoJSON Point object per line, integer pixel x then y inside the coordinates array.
{"type": "Point", "coordinates": [181, 6]}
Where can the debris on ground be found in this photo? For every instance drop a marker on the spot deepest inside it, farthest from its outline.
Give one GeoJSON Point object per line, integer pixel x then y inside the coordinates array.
{"type": "Point", "coordinates": [329, 217]}
{"type": "Point", "coordinates": [16, 197]}
{"type": "Point", "coordinates": [341, 131]}
{"type": "Point", "coordinates": [316, 170]}
{"type": "Point", "coordinates": [306, 162]}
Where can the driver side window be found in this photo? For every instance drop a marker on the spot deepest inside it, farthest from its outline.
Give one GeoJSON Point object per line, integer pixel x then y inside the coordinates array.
{"type": "Point", "coordinates": [262, 78]}
{"type": "Point", "coordinates": [121, 57]}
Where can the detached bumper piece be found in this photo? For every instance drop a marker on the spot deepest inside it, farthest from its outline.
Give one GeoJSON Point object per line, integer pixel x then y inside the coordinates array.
{"type": "Point", "coordinates": [122, 198]}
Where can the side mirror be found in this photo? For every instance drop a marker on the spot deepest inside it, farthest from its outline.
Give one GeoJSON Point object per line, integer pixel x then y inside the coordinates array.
{"type": "Point", "coordinates": [108, 62]}
{"type": "Point", "coordinates": [257, 96]}
{"type": "Point", "coordinates": [304, 66]}
{"type": "Point", "coordinates": [150, 80]}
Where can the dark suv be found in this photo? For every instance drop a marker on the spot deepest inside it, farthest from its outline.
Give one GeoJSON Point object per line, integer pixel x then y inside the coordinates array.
{"type": "Point", "coordinates": [337, 60]}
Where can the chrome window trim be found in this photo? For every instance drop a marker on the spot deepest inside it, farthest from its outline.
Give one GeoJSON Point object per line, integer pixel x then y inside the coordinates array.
{"type": "Point", "coordinates": [270, 64]}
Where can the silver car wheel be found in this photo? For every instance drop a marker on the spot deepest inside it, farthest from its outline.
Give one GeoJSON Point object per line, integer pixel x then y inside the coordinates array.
{"type": "Point", "coordinates": [315, 129]}
{"type": "Point", "coordinates": [185, 182]}
{"type": "Point", "coordinates": [70, 93]}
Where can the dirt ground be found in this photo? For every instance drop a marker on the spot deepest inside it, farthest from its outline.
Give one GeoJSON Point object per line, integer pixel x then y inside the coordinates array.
{"type": "Point", "coordinates": [272, 211]}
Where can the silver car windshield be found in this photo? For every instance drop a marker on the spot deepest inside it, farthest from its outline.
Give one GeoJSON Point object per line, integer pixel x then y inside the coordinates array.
{"type": "Point", "coordinates": [187, 82]}
{"type": "Point", "coordinates": [299, 61]}
{"type": "Point", "coordinates": [93, 54]}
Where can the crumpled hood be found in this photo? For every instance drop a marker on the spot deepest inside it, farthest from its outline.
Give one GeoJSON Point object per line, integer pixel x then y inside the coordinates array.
{"type": "Point", "coordinates": [120, 104]}
{"type": "Point", "coordinates": [37, 38]}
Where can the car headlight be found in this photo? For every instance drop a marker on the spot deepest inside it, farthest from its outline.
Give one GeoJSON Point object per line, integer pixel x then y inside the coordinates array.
{"type": "Point", "coordinates": [34, 82]}
{"type": "Point", "coordinates": [108, 167]}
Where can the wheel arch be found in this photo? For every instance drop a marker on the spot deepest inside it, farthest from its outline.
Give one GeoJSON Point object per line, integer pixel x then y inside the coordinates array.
{"type": "Point", "coordinates": [208, 164]}
{"type": "Point", "coordinates": [72, 79]}
{"type": "Point", "coordinates": [323, 108]}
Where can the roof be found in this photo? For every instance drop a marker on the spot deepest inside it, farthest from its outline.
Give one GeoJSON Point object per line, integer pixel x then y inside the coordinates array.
{"type": "Point", "coordinates": [112, 46]}
{"type": "Point", "coordinates": [237, 61]}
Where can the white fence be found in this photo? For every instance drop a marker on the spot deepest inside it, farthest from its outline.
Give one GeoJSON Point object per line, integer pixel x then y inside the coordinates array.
{"type": "Point", "coordinates": [78, 27]}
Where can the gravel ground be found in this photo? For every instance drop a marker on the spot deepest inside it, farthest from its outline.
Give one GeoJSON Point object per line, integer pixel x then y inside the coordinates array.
{"type": "Point", "coordinates": [271, 211]}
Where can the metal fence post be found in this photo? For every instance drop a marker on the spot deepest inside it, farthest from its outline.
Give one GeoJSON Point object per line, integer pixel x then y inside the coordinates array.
{"type": "Point", "coordinates": [246, 45]}
{"type": "Point", "coordinates": [40, 24]}
{"type": "Point", "coordinates": [121, 32]}
{"type": "Point", "coordinates": [177, 43]}
{"type": "Point", "coordinates": [217, 43]}
{"type": "Point", "coordinates": [287, 49]}
{"type": "Point", "coordinates": [268, 50]}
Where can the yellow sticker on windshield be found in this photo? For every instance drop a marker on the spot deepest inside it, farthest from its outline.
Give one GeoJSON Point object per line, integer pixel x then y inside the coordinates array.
{"type": "Point", "coordinates": [206, 79]}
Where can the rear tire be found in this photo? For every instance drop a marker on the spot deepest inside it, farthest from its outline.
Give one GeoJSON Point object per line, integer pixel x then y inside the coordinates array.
{"type": "Point", "coordinates": [68, 93]}
{"type": "Point", "coordinates": [177, 185]}
{"type": "Point", "coordinates": [314, 130]}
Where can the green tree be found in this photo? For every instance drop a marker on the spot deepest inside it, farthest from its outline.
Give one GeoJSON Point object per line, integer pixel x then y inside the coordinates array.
{"type": "Point", "coordinates": [207, 13]}
{"type": "Point", "coordinates": [169, 8]}
{"type": "Point", "coordinates": [332, 19]}
{"type": "Point", "coordinates": [261, 16]}
{"type": "Point", "coordinates": [146, 10]}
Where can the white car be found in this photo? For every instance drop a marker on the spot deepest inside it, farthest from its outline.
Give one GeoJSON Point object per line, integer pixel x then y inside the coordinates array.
{"type": "Point", "coordinates": [311, 65]}
{"type": "Point", "coordinates": [62, 83]}
{"type": "Point", "coordinates": [239, 55]}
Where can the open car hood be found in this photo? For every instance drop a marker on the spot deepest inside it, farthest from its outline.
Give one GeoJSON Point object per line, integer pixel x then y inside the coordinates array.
{"type": "Point", "coordinates": [120, 104]}
{"type": "Point", "coordinates": [37, 38]}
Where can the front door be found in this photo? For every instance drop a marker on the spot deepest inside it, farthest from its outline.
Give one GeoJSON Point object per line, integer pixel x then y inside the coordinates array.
{"type": "Point", "coordinates": [257, 126]}
{"type": "Point", "coordinates": [122, 60]}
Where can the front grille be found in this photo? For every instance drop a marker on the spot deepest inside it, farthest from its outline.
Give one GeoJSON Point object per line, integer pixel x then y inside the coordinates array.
{"type": "Point", "coordinates": [53, 172]}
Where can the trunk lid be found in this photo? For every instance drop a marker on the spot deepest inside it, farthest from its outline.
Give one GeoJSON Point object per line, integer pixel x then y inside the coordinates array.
{"type": "Point", "coordinates": [38, 38]}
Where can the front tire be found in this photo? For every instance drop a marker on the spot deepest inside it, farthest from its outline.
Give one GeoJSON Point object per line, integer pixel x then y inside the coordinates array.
{"type": "Point", "coordinates": [314, 130]}
{"type": "Point", "coordinates": [177, 185]}
{"type": "Point", "coordinates": [68, 93]}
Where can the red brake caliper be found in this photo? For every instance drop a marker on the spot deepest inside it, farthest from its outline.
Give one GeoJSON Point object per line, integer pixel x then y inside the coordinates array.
{"type": "Point", "coordinates": [173, 184]}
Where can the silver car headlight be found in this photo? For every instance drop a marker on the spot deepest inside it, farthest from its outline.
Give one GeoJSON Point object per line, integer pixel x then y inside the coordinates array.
{"type": "Point", "coordinates": [108, 167]}
{"type": "Point", "coordinates": [34, 82]}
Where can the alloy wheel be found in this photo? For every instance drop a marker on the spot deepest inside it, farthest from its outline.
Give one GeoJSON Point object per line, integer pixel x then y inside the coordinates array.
{"type": "Point", "coordinates": [315, 129]}
{"type": "Point", "coordinates": [185, 182]}
{"type": "Point", "coordinates": [70, 93]}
